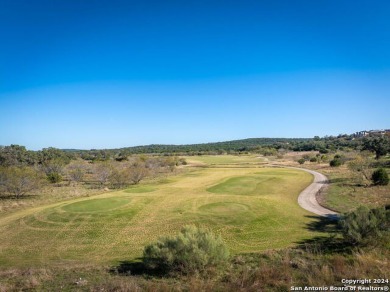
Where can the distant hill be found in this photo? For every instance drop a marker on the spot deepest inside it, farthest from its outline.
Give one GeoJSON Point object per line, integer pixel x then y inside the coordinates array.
{"type": "Point", "coordinates": [234, 145]}
{"type": "Point", "coordinates": [225, 146]}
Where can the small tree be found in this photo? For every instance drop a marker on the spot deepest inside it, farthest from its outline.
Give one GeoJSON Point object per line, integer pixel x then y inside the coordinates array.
{"type": "Point", "coordinates": [379, 145]}
{"type": "Point", "coordinates": [192, 250]}
{"type": "Point", "coordinates": [18, 181]}
{"type": "Point", "coordinates": [360, 166]}
{"type": "Point", "coordinates": [76, 173]}
{"type": "Point", "coordinates": [170, 162]}
{"type": "Point", "coordinates": [119, 178]}
{"type": "Point", "coordinates": [137, 172]}
{"type": "Point", "coordinates": [301, 161]}
{"type": "Point", "coordinates": [53, 169]}
{"type": "Point", "coordinates": [103, 172]}
{"type": "Point", "coordinates": [380, 177]}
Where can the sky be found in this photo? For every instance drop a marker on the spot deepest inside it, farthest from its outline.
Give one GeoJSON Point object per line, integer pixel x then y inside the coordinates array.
{"type": "Point", "coordinates": [97, 74]}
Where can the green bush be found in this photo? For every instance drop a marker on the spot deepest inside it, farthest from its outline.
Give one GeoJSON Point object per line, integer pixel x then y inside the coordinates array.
{"type": "Point", "coordinates": [313, 159]}
{"type": "Point", "coordinates": [54, 177]}
{"type": "Point", "coordinates": [335, 162]}
{"type": "Point", "coordinates": [364, 226]}
{"type": "Point", "coordinates": [301, 161]}
{"type": "Point", "coordinates": [192, 250]}
{"type": "Point", "coordinates": [380, 177]}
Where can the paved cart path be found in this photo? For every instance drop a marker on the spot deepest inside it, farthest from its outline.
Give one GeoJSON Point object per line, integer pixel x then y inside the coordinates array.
{"type": "Point", "coordinates": [307, 198]}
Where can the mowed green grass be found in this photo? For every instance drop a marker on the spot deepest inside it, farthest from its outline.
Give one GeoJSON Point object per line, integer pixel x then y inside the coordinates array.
{"type": "Point", "coordinates": [232, 160]}
{"type": "Point", "coordinates": [254, 209]}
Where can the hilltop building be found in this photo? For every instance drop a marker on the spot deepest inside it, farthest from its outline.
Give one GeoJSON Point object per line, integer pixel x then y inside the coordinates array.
{"type": "Point", "coordinates": [371, 133]}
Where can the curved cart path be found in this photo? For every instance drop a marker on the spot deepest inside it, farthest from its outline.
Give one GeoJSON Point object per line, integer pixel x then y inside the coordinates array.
{"type": "Point", "coordinates": [307, 199]}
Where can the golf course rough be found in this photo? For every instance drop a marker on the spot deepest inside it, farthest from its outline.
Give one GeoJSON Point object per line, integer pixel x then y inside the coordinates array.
{"type": "Point", "coordinates": [253, 209]}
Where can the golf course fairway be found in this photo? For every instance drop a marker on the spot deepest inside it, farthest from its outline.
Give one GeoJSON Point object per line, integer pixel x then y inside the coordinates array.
{"type": "Point", "coordinates": [253, 209]}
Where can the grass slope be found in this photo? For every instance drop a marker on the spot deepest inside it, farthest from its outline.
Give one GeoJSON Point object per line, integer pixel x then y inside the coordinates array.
{"type": "Point", "coordinates": [253, 209]}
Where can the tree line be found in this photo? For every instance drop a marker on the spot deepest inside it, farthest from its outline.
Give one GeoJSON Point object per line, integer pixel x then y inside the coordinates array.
{"type": "Point", "coordinates": [266, 146]}
{"type": "Point", "coordinates": [23, 171]}
{"type": "Point", "coordinates": [16, 155]}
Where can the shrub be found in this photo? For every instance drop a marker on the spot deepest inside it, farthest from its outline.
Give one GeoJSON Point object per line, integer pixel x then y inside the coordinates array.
{"type": "Point", "coordinates": [137, 173]}
{"type": "Point", "coordinates": [120, 178]}
{"type": "Point", "coordinates": [380, 177]}
{"type": "Point", "coordinates": [301, 161]}
{"type": "Point", "coordinates": [324, 158]}
{"type": "Point", "coordinates": [313, 159]}
{"type": "Point", "coordinates": [335, 162]}
{"type": "Point", "coordinates": [54, 177]}
{"type": "Point", "coordinates": [192, 250]}
{"type": "Point", "coordinates": [364, 226]}
{"type": "Point", "coordinates": [76, 172]}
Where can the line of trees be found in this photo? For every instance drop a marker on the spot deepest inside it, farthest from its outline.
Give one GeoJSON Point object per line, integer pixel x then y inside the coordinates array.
{"type": "Point", "coordinates": [380, 145]}
{"type": "Point", "coordinates": [23, 178]}
{"type": "Point", "coordinates": [23, 170]}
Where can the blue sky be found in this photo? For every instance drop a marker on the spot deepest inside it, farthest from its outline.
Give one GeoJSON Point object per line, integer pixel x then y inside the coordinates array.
{"type": "Point", "coordinates": [108, 74]}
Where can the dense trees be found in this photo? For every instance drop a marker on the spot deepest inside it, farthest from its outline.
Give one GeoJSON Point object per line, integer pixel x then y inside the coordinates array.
{"type": "Point", "coordinates": [380, 145]}
{"type": "Point", "coordinates": [121, 175]}
{"type": "Point", "coordinates": [54, 154]}
{"type": "Point", "coordinates": [266, 146]}
{"type": "Point", "coordinates": [15, 155]}
{"type": "Point", "coordinates": [120, 167]}
{"type": "Point", "coordinates": [20, 168]}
